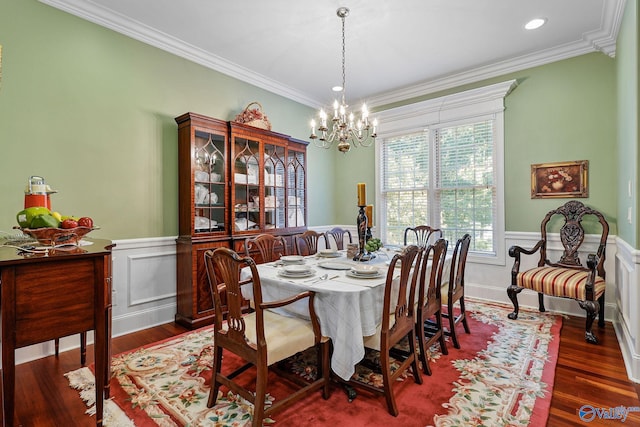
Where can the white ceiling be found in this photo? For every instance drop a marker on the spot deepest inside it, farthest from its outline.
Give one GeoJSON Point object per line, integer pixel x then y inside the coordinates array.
{"type": "Point", "coordinates": [394, 49]}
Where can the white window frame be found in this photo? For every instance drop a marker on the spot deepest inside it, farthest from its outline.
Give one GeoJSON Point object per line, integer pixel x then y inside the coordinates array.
{"type": "Point", "coordinates": [449, 110]}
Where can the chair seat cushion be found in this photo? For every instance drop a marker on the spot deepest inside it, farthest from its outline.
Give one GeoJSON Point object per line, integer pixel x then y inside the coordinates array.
{"type": "Point", "coordinates": [285, 335]}
{"type": "Point", "coordinates": [559, 282]}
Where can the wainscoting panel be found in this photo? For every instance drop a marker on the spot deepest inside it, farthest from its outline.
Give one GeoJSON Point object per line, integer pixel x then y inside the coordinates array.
{"type": "Point", "coordinates": [144, 275]}
{"type": "Point", "coordinates": [627, 321]}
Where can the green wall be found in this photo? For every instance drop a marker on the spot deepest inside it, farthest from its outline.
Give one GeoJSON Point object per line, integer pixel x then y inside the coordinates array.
{"type": "Point", "coordinates": [92, 111]}
{"type": "Point", "coordinates": [558, 112]}
{"type": "Point", "coordinates": [627, 90]}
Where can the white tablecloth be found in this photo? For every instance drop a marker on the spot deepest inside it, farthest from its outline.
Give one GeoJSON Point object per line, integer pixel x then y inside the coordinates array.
{"type": "Point", "coordinates": [348, 308]}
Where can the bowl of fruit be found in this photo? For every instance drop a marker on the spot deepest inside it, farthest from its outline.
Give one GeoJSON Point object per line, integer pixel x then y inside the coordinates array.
{"type": "Point", "coordinates": [51, 228]}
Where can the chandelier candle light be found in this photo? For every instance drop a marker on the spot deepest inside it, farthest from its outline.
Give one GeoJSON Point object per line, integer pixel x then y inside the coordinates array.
{"type": "Point", "coordinates": [345, 128]}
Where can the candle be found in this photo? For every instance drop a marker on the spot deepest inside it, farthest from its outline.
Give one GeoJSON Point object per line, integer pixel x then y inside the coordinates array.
{"type": "Point", "coordinates": [362, 195]}
{"type": "Point", "coordinates": [369, 211]}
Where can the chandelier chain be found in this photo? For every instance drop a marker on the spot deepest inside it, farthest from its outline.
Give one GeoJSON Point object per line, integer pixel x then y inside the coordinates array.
{"type": "Point", "coordinates": [344, 55]}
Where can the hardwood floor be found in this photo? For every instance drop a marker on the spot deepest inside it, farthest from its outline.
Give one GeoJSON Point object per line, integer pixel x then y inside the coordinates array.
{"type": "Point", "coordinates": [585, 375]}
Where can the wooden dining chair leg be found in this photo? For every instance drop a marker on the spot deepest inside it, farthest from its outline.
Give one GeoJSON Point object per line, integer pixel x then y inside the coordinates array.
{"type": "Point", "coordinates": [388, 384]}
{"type": "Point", "coordinates": [215, 385]}
{"type": "Point", "coordinates": [422, 347]}
{"type": "Point", "coordinates": [463, 313]}
{"type": "Point", "coordinates": [325, 354]}
{"type": "Point", "coordinates": [261, 392]}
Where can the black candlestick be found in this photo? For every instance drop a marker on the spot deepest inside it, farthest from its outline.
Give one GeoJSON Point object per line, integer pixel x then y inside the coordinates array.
{"type": "Point", "coordinates": [364, 234]}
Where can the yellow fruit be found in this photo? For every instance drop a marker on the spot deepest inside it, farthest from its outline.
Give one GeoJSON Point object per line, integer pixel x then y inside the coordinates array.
{"type": "Point", "coordinates": [25, 216]}
{"type": "Point", "coordinates": [57, 216]}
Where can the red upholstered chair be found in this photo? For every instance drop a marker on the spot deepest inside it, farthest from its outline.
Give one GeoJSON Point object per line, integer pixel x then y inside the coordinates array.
{"type": "Point", "coordinates": [260, 338]}
{"type": "Point", "coordinates": [567, 278]}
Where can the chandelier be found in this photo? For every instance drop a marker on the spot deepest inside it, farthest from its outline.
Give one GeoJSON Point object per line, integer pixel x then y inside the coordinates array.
{"type": "Point", "coordinates": [345, 128]}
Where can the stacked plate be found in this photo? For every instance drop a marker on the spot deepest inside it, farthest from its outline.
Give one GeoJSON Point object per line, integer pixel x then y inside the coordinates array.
{"type": "Point", "coordinates": [329, 253]}
{"type": "Point", "coordinates": [296, 271]}
{"type": "Point", "coordinates": [292, 259]}
{"type": "Point", "coordinates": [364, 272]}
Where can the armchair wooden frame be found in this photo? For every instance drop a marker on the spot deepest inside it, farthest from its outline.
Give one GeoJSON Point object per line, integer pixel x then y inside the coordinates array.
{"type": "Point", "coordinates": [567, 278]}
{"type": "Point", "coordinates": [261, 338]}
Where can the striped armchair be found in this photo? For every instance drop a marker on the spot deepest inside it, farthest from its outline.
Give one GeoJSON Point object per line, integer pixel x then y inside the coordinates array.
{"type": "Point", "coordinates": [567, 278]}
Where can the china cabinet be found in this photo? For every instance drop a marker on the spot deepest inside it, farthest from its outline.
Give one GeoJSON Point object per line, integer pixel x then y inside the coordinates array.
{"type": "Point", "coordinates": [235, 181]}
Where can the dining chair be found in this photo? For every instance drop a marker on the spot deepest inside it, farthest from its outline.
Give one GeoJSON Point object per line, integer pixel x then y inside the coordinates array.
{"type": "Point", "coordinates": [267, 246]}
{"type": "Point", "coordinates": [429, 328]}
{"type": "Point", "coordinates": [307, 242]}
{"type": "Point", "coordinates": [396, 326]}
{"type": "Point", "coordinates": [261, 338]}
{"type": "Point", "coordinates": [453, 290]}
{"type": "Point", "coordinates": [338, 235]}
{"type": "Point", "coordinates": [421, 235]}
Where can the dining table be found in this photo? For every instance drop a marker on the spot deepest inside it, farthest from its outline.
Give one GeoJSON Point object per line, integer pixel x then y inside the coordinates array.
{"type": "Point", "coordinates": [348, 305]}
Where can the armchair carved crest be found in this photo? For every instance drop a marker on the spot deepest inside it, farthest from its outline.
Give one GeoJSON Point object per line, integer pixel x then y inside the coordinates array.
{"type": "Point", "coordinates": [568, 277]}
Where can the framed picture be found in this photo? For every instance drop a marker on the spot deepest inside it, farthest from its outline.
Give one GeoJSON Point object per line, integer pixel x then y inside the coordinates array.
{"type": "Point", "coordinates": [561, 179]}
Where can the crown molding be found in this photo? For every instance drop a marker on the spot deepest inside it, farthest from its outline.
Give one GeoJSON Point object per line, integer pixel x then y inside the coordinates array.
{"type": "Point", "coordinates": [601, 40]}
{"type": "Point", "coordinates": [119, 23]}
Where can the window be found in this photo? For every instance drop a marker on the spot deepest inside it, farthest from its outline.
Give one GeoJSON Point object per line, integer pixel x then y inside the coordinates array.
{"type": "Point", "coordinates": [440, 163]}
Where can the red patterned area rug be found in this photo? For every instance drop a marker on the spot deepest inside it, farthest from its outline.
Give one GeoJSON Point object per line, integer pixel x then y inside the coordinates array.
{"type": "Point", "coordinates": [502, 376]}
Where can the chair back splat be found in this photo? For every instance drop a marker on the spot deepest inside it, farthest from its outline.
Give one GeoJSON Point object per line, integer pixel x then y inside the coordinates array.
{"type": "Point", "coordinates": [307, 242]}
{"type": "Point", "coordinates": [568, 277]}
{"type": "Point", "coordinates": [421, 235]}
{"type": "Point", "coordinates": [261, 338]}
{"type": "Point", "coordinates": [337, 234]}
{"type": "Point", "coordinates": [265, 247]}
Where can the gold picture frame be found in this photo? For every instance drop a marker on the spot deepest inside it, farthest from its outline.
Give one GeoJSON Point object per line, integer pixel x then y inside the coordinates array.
{"type": "Point", "coordinates": [560, 180]}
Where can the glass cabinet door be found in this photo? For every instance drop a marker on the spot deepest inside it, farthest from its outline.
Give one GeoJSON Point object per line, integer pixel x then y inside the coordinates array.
{"type": "Point", "coordinates": [296, 193]}
{"type": "Point", "coordinates": [209, 182]}
{"type": "Point", "coordinates": [246, 179]}
{"type": "Point", "coordinates": [274, 204]}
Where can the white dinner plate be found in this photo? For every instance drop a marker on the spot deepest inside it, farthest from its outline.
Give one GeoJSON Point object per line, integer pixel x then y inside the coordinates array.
{"type": "Point", "coordinates": [365, 270]}
{"type": "Point", "coordinates": [308, 273]}
{"type": "Point", "coordinates": [335, 265]}
{"type": "Point", "coordinates": [364, 276]}
{"type": "Point", "coordinates": [292, 259]}
{"type": "Point", "coordinates": [332, 254]}
{"type": "Point", "coordinates": [296, 268]}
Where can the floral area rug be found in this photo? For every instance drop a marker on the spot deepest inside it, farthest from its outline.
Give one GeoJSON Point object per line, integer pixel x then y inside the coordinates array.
{"type": "Point", "coordinates": [502, 376]}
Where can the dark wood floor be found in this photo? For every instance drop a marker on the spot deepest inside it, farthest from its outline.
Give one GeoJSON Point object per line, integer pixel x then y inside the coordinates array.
{"type": "Point", "coordinates": [585, 375]}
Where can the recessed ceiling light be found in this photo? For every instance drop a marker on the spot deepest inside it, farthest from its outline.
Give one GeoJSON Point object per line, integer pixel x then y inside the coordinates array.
{"type": "Point", "coordinates": [337, 88]}
{"type": "Point", "coordinates": [535, 23]}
